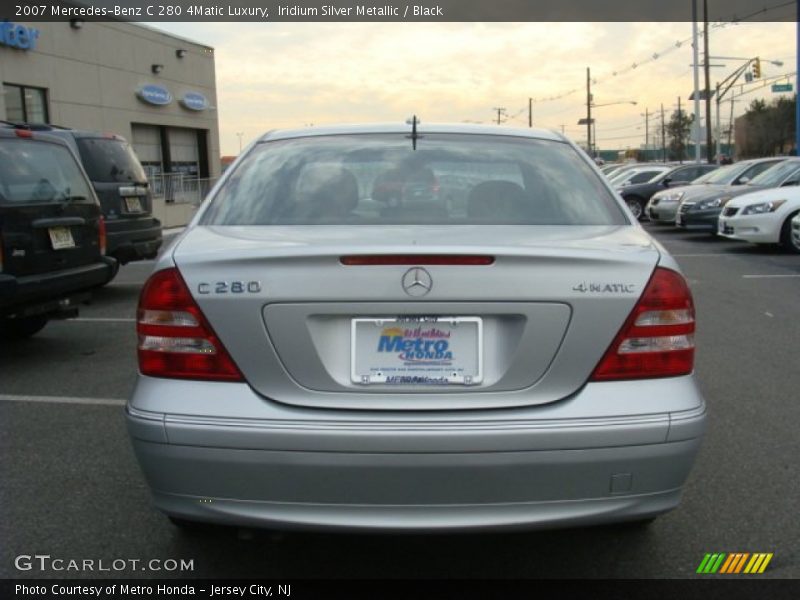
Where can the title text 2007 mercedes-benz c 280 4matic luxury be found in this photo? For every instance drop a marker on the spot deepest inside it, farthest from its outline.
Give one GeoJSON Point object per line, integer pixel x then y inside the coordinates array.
{"type": "Point", "coordinates": [410, 327]}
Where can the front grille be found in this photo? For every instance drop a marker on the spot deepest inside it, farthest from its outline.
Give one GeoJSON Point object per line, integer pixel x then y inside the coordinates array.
{"type": "Point", "coordinates": [730, 211]}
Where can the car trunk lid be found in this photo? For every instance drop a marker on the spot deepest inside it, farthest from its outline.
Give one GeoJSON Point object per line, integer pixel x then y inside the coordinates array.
{"type": "Point", "coordinates": [283, 304]}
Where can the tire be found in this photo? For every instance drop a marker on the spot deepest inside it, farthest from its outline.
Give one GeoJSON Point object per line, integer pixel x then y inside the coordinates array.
{"type": "Point", "coordinates": [787, 241]}
{"type": "Point", "coordinates": [19, 329]}
{"type": "Point", "coordinates": [636, 525]}
{"type": "Point", "coordinates": [187, 526]}
{"type": "Point", "coordinates": [636, 206]}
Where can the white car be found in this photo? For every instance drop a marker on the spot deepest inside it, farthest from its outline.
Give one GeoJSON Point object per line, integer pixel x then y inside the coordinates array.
{"type": "Point", "coordinates": [763, 217]}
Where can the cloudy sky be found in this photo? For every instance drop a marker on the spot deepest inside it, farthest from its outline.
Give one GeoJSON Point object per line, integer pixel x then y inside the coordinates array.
{"type": "Point", "coordinates": [273, 75]}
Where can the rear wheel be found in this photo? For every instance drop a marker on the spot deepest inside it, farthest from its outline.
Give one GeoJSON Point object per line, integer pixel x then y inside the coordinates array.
{"type": "Point", "coordinates": [636, 206]}
{"type": "Point", "coordinates": [789, 243]}
{"type": "Point", "coordinates": [18, 329]}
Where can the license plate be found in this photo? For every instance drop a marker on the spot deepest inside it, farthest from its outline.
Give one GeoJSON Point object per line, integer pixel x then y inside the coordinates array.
{"type": "Point", "coordinates": [721, 227]}
{"type": "Point", "coordinates": [133, 205]}
{"type": "Point", "coordinates": [678, 218]}
{"type": "Point", "coordinates": [417, 350]}
{"type": "Point", "coordinates": [61, 237]}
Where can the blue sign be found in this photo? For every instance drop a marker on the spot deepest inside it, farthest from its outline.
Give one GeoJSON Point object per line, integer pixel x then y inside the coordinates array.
{"type": "Point", "coordinates": [18, 36]}
{"type": "Point", "coordinates": [194, 101]}
{"type": "Point", "coordinates": [154, 94]}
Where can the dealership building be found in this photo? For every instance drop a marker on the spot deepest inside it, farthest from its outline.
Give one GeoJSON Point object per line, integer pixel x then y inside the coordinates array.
{"type": "Point", "coordinates": [155, 89]}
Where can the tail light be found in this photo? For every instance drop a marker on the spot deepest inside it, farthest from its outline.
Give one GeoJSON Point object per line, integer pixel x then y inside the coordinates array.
{"type": "Point", "coordinates": [175, 339]}
{"type": "Point", "coordinates": [102, 236]}
{"type": "Point", "coordinates": [657, 339]}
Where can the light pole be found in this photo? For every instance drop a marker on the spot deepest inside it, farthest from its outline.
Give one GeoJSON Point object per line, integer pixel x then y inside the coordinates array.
{"type": "Point", "coordinates": [727, 83]}
{"type": "Point", "coordinates": [239, 134]}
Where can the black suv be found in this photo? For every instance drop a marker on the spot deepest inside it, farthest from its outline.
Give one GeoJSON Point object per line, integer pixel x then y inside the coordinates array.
{"type": "Point", "coordinates": [121, 185]}
{"type": "Point", "coordinates": [52, 234]}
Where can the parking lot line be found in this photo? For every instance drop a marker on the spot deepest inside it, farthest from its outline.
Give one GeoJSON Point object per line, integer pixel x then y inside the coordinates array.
{"type": "Point", "coordinates": [63, 400]}
{"type": "Point", "coordinates": [785, 276]}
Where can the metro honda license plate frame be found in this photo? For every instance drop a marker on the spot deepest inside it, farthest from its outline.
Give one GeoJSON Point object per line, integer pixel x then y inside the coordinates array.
{"type": "Point", "coordinates": [416, 350]}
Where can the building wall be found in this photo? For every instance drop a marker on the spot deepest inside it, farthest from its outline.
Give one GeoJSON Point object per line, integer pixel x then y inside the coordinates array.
{"type": "Point", "coordinates": [92, 75]}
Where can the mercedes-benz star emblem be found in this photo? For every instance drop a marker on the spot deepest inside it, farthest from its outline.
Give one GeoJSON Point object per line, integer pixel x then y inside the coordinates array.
{"type": "Point", "coordinates": [417, 282]}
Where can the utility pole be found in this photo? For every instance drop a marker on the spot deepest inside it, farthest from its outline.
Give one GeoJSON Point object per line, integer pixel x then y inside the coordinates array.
{"type": "Point", "coordinates": [646, 130]}
{"type": "Point", "coordinates": [530, 112]}
{"type": "Point", "coordinates": [589, 112]}
{"type": "Point", "coordinates": [709, 148]}
{"type": "Point", "coordinates": [500, 112]}
{"type": "Point", "coordinates": [664, 134]}
{"type": "Point", "coordinates": [730, 129]}
{"type": "Point", "coordinates": [680, 132]}
{"type": "Point", "coordinates": [719, 130]}
{"type": "Point", "coordinates": [696, 74]}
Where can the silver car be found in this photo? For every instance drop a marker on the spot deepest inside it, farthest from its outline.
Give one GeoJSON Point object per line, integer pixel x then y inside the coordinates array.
{"type": "Point", "coordinates": [407, 327]}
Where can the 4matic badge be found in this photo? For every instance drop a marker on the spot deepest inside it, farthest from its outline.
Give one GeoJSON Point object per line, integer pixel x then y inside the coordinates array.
{"type": "Point", "coordinates": [605, 288]}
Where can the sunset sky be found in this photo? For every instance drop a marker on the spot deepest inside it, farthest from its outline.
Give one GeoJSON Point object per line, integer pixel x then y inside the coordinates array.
{"type": "Point", "coordinates": [274, 75]}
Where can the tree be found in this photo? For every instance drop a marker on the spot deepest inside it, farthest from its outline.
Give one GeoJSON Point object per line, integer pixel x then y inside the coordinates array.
{"type": "Point", "coordinates": [768, 129]}
{"type": "Point", "coordinates": [678, 128]}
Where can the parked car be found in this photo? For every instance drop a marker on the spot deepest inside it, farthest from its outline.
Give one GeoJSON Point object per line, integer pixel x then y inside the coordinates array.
{"type": "Point", "coordinates": [703, 214]}
{"type": "Point", "coordinates": [663, 206]}
{"type": "Point", "coordinates": [122, 187]}
{"type": "Point", "coordinates": [637, 195]}
{"type": "Point", "coordinates": [52, 234]}
{"type": "Point", "coordinates": [763, 217]}
{"type": "Point", "coordinates": [314, 356]}
{"type": "Point", "coordinates": [642, 173]}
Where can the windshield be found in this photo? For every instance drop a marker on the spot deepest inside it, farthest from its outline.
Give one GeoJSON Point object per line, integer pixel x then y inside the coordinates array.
{"type": "Point", "coordinates": [728, 174]}
{"type": "Point", "coordinates": [109, 160]}
{"type": "Point", "coordinates": [382, 179]}
{"type": "Point", "coordinates": [776, 174]}
{"type": "Point", "coordinates": [39, 173]}
{"type": "Point", "coordinates": [706, 176]}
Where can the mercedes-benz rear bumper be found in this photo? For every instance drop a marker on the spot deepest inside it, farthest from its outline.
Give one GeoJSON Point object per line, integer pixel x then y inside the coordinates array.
{"type": "Point", "coordinates": [612, 452]}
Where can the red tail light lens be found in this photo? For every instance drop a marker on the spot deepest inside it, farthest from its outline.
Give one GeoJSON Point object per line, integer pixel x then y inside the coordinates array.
{"type": "Point", "coordinates": [102, 236]}
{"type": "Point", "coordinates": [175, 339]}
{"type": "Point", "coordinates": [657, 339]}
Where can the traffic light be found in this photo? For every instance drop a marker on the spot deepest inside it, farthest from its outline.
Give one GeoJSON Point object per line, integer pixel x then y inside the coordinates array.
{"type": "Point", "coordinates": [757, 68]}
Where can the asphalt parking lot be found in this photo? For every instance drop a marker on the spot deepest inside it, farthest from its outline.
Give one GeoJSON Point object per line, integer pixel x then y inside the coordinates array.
{"type": "Point", "coordinates": [71, 487]}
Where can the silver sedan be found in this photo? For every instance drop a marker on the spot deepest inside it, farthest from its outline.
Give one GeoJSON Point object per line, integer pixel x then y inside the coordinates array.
{"type": "Point", "coordinates": [408, 327]}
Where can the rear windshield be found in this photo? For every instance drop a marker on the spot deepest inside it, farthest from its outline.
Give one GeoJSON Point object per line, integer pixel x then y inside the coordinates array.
{"type": "Point", "coordinates": [38, 173]}
{"type": "Point", "coordinates": [382, 179]}
{"type": "Point", "coordinates": [108, 160]}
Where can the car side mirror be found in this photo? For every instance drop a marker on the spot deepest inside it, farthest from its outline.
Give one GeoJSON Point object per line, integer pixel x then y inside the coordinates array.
{"type": "Point", "coordinates": [667, 181]}
{"type": "Point", "coordinates": [743, 180]}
